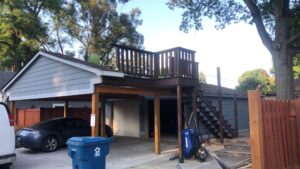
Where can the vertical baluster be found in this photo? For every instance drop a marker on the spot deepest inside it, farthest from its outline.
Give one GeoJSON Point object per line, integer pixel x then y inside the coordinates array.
{"type": "Point", "coordinates": [140, 63]}
{"type": "Point", "coordinates": [131, 62]}
{"type": "Point", "coordinates": [127, 61]}
{"type": "Point", "coordinates": [144, 63]}
{"type": "Point", "coordinates": [122, 59]}
{"type": "Point", "coordinates": [162, 64]}
{"type": "Point", "coordinates": [151, 65]}
{"type": "Point", "coordinates": [118, 58]}
{"type": "Point", "coordinates": [135, 62]}
{"type": "Point", "coordinates": [177, 57]}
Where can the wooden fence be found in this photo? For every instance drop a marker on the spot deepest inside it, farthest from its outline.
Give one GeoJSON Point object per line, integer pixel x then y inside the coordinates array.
{"type": "Point", "coordinates": [28, 116]}
{"type": "Point", "coordinates": [274, 132]}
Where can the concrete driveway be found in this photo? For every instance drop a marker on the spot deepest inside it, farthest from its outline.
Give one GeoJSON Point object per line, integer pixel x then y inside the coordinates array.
{"type": "Point", "coordinates": [124, 153]}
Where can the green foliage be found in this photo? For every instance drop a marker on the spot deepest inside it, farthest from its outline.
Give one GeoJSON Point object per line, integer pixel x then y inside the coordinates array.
{"type": "Point", "coordinates": [22, 32]}
{"type": "Point", "coordinates": [202, 77]}
{"type": "Point", "coordinates": [250, 80]}
{"type": "Point", "coordinates": [296, 67]}
{"type": "Point", "coordinates": [27, 26]}
{"type": "Point", "coordinates": [277, 23]}
{"type": "Point", "coordinates": [97, 26]}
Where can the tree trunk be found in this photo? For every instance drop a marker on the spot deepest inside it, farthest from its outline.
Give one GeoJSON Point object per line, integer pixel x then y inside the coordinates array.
{"type": "Point", "coordinates": [283, 64]}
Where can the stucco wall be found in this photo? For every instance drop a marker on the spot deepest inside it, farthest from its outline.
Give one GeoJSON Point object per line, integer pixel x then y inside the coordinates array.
{"type": "Point", "coordinates": [127, 118]}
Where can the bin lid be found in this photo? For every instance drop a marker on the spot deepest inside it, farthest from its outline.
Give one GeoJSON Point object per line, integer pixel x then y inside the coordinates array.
{"type": "Point", "coordinates": [84, 141]}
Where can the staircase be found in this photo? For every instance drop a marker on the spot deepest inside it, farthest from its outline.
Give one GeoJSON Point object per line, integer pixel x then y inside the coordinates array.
{"type": "Point", "coordinates": [208, 116]}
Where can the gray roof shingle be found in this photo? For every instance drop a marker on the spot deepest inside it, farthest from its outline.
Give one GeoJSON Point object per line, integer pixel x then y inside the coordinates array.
{"type": "Point", "coordinates": [5, 77]}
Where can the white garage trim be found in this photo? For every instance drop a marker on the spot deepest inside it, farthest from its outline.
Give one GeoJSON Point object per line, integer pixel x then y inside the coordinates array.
{"type": "Point", "coordinates": [89, 90]}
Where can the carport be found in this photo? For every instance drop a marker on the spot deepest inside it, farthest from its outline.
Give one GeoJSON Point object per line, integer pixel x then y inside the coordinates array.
{"type": "Point", "coordinates": [55, 77]}
{"type": "Point", "coordinates": [133, 73]}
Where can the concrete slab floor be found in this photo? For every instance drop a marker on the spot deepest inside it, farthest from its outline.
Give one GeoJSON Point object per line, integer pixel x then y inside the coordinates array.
{"type": "Point", "coordinates": [124, 153]}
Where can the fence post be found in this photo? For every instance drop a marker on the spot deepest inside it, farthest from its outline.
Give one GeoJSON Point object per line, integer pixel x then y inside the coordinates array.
{"type": "Point", "coordinates": [256, 129]}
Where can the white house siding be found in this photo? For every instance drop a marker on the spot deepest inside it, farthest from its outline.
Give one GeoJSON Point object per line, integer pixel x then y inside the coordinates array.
{"type": "Point", "coordinates": [47, 77]}
{"type": "Point", "coordinates": [127, 118]}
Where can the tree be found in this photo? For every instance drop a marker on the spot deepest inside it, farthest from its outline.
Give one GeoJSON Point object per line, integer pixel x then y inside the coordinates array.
{"type": "Point", "coordinates": [97, 26]}
{"type": "Point", "coordinates": [277, 23]}
{"type": "Point", "coordinates": [22, 31]}
{"type": "Point", "coordinates": [250, 80]}
{"type": "Point", "coordinates": [27, 26]}
{"type": "Point", "coordinates": [296, 67]}
{"type": "Point", "coordinates": [202, 77]}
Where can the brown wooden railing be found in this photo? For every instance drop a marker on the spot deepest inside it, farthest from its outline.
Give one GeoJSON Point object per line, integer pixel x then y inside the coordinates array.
{"type": "Point", "coordinates": [175, 62]}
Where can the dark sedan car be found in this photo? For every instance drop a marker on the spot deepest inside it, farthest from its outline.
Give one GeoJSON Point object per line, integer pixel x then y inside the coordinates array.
{"type": "Point", "coordinates": [49, 135]}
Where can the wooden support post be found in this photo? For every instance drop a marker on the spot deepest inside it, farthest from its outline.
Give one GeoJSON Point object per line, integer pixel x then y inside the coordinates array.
{"type": "Point", "coordinates": [102, 118]}
{"type": "Point", "coordinates": [256, 129]}
{"type": "Point", "coordinates": [157, 124]}
{"type": "Point", "coordinates": [95, 114]}
{"type": "Point", "coordinates": [111, 120]}
{"type": "Point", "coordinates": [221, 120]}
{"type": "Point", "coordinates": [236, 119]}
{"type": "Point", "coordinates": [179, 123]}
{"type": "Point", "coordinates": [66, 108]}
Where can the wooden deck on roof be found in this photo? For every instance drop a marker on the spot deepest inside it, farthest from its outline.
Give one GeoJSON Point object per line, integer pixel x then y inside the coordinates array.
{"type": "Point", "coordinates": [167, 68]}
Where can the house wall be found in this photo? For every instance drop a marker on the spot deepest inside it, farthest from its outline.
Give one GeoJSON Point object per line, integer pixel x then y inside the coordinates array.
{"type": "Point", "coordinates": [48, 77]}
{"type": "Point", "coordinates": [227, 106]}
{"type": "Point", "coordinates": [127, 118]}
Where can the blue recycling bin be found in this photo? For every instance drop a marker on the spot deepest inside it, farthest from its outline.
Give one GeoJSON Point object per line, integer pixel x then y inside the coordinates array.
{"type": "Point", "coordinates": [88, 152]}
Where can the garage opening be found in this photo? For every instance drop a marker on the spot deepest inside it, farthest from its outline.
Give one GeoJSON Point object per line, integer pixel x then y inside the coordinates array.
{"type": "Point", "coordinates": [168, 118]}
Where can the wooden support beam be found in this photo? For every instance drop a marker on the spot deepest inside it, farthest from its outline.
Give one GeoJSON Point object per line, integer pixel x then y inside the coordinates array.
{"type": "Point", "coordinates": [220, 111]}
{"type": "Point", "coordinates": [102, 118]}
{"type": "Point", "coordinates": [123, 90]}
{"type": "Point", "coordinates": [95, 114]}
{"type": "Point", "coordinates": [66, 108]}
{"type": "Point", "coordinates": [256, 129]}
{"type": "Point", "coordinates": [179, 123]}
{"type": "Point", "coordinates": [111, 120]}
{"type": "Point", "coordinates": [157, 124]}
{"type": "Point", "coordinates": [236, 118]}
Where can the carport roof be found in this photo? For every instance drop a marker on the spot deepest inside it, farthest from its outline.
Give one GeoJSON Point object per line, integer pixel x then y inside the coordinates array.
{"type": "Point", "coordinates": [98, 69]}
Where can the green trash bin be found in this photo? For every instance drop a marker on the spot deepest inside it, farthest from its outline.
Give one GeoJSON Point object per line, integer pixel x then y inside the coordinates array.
{"type": "Point", "coordinates": [88, 152]}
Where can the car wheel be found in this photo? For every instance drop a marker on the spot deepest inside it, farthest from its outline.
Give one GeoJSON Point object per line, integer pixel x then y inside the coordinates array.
{"type": "Point", "coordinates": [50, 144]}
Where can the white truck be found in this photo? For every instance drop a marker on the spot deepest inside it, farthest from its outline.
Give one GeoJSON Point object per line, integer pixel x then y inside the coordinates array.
{"type": "Point", "coordinates": [7, 137]}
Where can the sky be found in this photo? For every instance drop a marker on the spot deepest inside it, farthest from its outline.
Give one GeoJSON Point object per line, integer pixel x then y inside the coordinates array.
{"type": "Point", "coordinates": [235, 49]}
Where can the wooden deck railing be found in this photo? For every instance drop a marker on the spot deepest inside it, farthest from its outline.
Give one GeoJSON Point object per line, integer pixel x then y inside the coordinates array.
{"type": "Point", "coordinates": [175, 62]}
